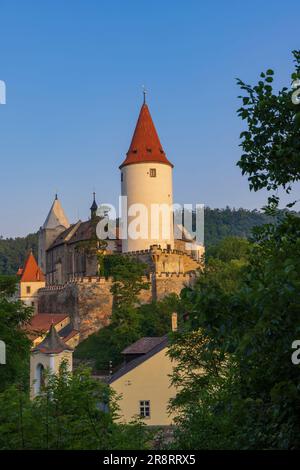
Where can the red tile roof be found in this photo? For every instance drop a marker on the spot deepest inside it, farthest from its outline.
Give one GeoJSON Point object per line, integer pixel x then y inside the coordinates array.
{"type": "Point", "coordinates": [31, 271]}
{"type": "Point", "coordinates": [41, 322]}
{"type": "Point", "coordinates": [145, 145]}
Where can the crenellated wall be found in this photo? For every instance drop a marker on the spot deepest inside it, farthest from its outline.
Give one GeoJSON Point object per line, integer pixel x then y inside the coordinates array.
{"type": "Point", "coordinates": [89, 301]}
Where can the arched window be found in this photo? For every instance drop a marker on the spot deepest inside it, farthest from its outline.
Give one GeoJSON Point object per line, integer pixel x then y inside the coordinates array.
{"type": "Point", "coordinates": [39, 378]}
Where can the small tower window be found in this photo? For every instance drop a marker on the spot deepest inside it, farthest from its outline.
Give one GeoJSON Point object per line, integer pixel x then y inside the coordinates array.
{"type": "Point", "coordinates": [28, 289]}
{"type": "Point", "coordinates": [121, 177]}
{"type": "Point", "coordinates": [152, 172]}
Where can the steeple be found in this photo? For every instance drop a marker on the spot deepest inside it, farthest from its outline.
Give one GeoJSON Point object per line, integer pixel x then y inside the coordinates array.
{"type": "Point", "coordinates": [145, 145]}
{"type": "Point", "coordinates": [31, 271]}
{"type": "Point", "coordinates": [52, 343]}
{"type": "Point", "coordinates": [94, 207]}
{"type": "Point", "coordinates": [56, 216]}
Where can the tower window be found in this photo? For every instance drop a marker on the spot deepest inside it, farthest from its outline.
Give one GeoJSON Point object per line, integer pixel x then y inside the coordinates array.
{"type": "Point", "coordinates": [121, 176]}
{"type": "Point", "coordinates": [145, 409]}
{"type": "Point", "coordinates": [152, 172]}
{"type": "Point", "coordinates": [28, 289]}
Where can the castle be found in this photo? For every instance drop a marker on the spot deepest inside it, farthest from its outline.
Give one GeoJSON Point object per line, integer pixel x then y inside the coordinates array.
{"type": "Point", "coordinates": [73, 285]}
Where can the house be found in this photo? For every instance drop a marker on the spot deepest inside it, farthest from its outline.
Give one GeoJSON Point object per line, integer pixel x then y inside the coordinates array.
{"type": "Point", "coordinates": [144, 382]}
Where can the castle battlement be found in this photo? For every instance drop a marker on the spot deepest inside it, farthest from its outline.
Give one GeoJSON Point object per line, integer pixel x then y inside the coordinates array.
{"type": "Point", "coordinates": [188, 276]}
{"type": "Point", "coordinates": [86, 280]}
{"type": "Point", "coordinates": [155, 249]}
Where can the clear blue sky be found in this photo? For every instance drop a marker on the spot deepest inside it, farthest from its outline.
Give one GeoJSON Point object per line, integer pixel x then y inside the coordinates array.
{"type": "Point", "coordinates": [74, 72]}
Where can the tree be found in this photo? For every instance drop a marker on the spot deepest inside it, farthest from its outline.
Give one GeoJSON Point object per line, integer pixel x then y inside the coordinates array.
{"type": "Point", "coordinates": [74, 411]}
{"type": "Point", "coordinates": [13, 252]}
{"type": "Point", "coordinates": [271, 143]}
{"type": "Point", "coordinates": [13, 317]}
{"type": "Point", "coordinates": [228, 249]}
{"type": "Point", "coordinates": [239, 387]}
{"type": "Point", "coordinates": [128, 279]}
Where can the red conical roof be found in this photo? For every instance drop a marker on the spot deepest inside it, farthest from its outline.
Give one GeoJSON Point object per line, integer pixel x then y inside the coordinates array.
{"type": "Point", "coordinates": [145, 146]}
{"type": "Point", "coordinates": [31, 271]}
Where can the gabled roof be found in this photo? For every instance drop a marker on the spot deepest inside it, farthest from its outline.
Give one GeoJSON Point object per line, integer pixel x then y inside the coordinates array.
{"type": "Point", "coordinates": [56, 216]}
{"type": "Point", "coordinates": [52, 344]}
{"type": "Point", "coordinates": [143, 345]}
{"type": "Point", "coordinates": [139, 360]}
{"type": "Point", "coordinates": [145, 144]}
{"type": "Point", "coordinates": [31, 271]}
{"type": "Point", "coordinates": [41, 322]}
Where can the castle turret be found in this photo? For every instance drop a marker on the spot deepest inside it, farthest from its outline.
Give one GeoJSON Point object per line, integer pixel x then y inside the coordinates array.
{"type": "Point", "coordinates": [48, 355]}
{"type": "Point", "coordinates": [55, 223]}
{"type": "Point", "coordinates": [146, 179]}
{"type": "Point", "coordinates": [94, 207]}
{"type": "Point", "coordinates": [31, 280]}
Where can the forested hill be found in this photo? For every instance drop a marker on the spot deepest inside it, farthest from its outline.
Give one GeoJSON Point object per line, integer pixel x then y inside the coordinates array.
{"type": "Point", "coordinates": [219, 223]}
{"type": "Point", "coordinates": [14, 250]}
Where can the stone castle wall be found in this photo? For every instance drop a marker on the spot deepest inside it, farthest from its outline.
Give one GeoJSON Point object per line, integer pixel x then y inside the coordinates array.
{"type": "Point", "coordinates": [89, 301]}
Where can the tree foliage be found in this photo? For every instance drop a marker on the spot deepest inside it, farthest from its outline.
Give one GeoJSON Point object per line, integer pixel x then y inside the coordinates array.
{"type": "Point", "coordinates": [13, 252]}
{"type": "Point", "coordinates": [239, 388]}
{"type": "Point", "coordinates": [13, 317]}
{"type": "Point", "coordinates": [271, 143]}
{"type": "Point", "coordinates": [240, 338]}
{"type": "Point", "coordinates": [74, 411]}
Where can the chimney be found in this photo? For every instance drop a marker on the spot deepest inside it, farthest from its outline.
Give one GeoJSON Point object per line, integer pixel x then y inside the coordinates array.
{"type": "Point", "coordinates": [174, 321]}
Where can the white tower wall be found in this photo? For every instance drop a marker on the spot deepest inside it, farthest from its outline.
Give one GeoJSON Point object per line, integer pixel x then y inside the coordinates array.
{"type": "Point", "coordinates": [141, 188]}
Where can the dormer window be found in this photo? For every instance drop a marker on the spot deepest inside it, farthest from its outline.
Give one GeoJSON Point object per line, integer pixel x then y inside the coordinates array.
{"type": "Point", "coordinates": [149, 150]}
{"type": "Point", "coordinates": [152, 172]}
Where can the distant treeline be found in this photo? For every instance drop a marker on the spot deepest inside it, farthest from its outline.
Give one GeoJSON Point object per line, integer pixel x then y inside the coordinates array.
{"type": "Point", "coordinates": [14, 250]}
{"type": "Point", "coordinates": [219, 223]}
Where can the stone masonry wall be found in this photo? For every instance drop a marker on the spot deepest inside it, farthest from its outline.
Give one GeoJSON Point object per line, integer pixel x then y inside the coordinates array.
{"type": "Point", "coordinates": [89, 301]}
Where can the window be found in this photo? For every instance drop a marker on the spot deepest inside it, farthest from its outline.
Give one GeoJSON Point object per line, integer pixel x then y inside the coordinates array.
{"type": "Point", "coordinates": [32, 304]}
{"type": "Point", "coordinates": [152, 172]}
{"type": "Point", "coordinates": [121, 177]}
{"type": "Point", "coordinates": [39, 378]}
{"type": "Point", "coordinates": [27, 289]}
{"type": "Point", "coordinates": [145, 409]}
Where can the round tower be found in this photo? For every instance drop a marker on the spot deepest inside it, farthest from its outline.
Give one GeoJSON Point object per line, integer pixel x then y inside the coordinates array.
{"type": "Point", "coordinates": [146, 181]}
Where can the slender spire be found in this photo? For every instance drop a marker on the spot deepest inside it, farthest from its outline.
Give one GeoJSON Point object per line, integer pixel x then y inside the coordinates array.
{"type": "Point", "coordinates": [52, 344]}
{"type": "Point", "coordinates": [94, 207]}
{"type": "Point", "coordinates": [56, 216]}
{"type": "Point", "coordinates": [144, 94]}
{"type": "Point", "coordinates": [145, 144]}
